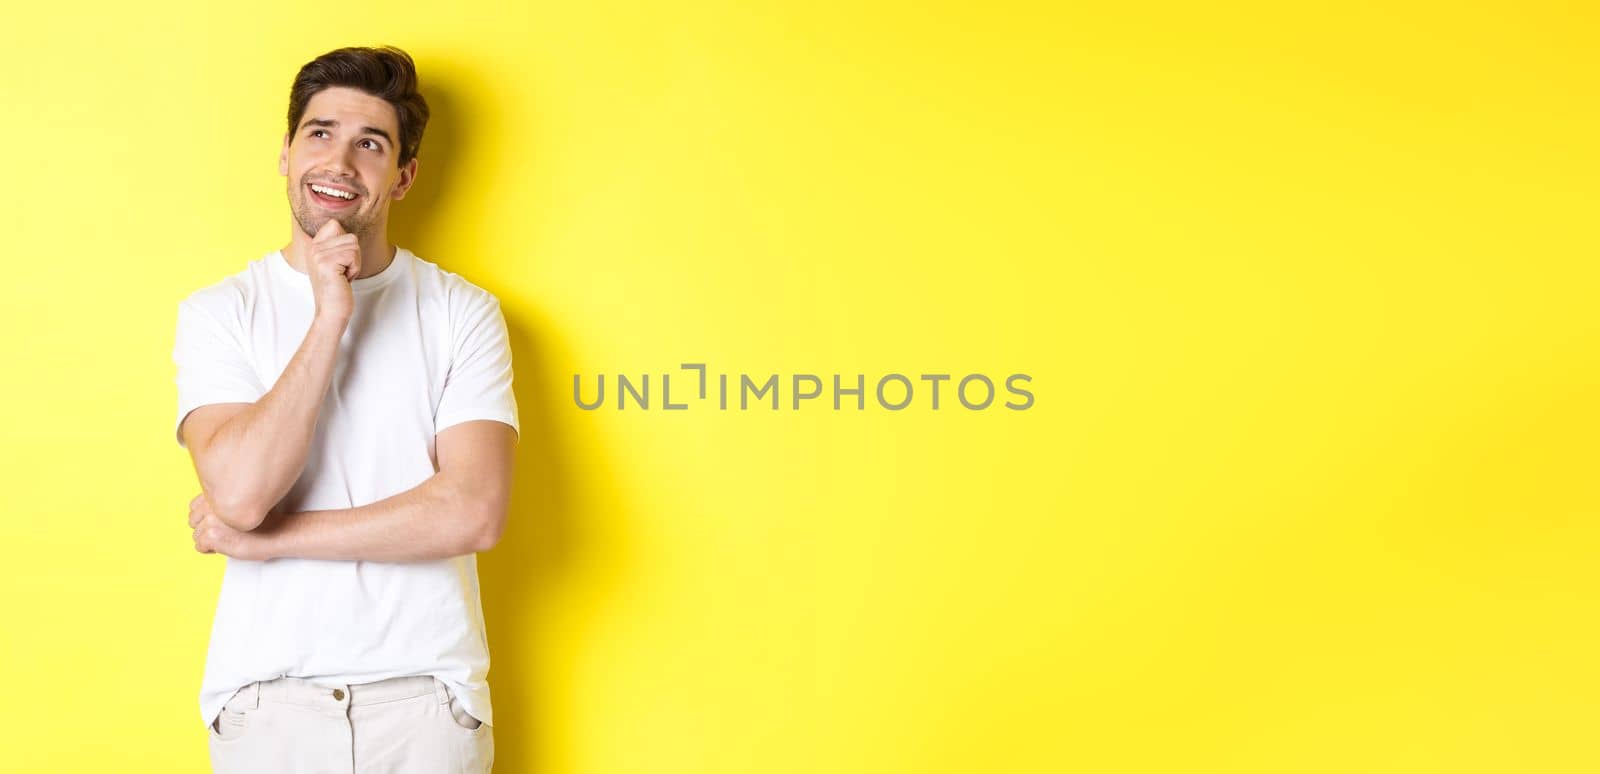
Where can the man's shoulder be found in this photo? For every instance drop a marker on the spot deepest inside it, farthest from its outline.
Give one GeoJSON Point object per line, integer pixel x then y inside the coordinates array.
{"type": "Point", "coordinates": [453, 288]}
{"type": "Point", "coordinates": [230, 294]}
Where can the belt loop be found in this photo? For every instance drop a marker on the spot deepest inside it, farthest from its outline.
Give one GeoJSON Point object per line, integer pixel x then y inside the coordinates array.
{"type": "Point", "coordinates": [441, 691]}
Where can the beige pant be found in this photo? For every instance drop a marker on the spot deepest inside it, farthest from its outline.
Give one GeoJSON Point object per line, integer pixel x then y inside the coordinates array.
{"type": "Point", "coordinates": [395, 726]}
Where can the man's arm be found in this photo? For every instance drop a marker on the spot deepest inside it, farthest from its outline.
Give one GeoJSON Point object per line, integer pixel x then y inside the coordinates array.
{"type": "Point", "coordinates": [459, 510]}
{"type": "Point", "coordinates": [248, 455]}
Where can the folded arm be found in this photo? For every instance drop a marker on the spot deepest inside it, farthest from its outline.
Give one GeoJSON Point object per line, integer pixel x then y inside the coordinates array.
{"type": "Point", "coordinates": [459, 510]}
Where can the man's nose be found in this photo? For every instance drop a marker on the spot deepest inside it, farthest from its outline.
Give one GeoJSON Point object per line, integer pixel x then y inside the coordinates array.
{"type": "Point", "coordinates": [339, 162]}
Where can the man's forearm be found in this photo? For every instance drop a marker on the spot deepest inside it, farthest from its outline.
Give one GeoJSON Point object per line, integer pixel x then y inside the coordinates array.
{"type": "Point", "coordinates": [255, 457]}
{"type": "Point", "coordinates": [433, 520]}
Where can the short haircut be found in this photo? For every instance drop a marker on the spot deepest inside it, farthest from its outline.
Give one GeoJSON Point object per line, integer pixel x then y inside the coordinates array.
{"type": "Point", "coordinates": [385, 72]}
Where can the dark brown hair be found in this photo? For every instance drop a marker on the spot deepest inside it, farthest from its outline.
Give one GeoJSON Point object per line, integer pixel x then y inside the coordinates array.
{"type": "Point", "coordinates": [385, 72]}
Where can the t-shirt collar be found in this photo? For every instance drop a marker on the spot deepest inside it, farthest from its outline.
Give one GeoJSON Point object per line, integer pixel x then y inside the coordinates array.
{"type": "Point", "coordinates": [402, 257]}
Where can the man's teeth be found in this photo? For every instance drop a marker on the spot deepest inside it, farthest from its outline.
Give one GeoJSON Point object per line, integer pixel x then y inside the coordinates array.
{"type": "Point", "coordinates": [332, 192]}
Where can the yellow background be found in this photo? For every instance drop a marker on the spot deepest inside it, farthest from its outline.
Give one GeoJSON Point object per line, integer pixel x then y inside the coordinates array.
{"type": "Point", "coordinates": [1307, 293]}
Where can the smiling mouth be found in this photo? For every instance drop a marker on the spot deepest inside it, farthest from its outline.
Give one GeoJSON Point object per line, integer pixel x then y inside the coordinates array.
{"type": "Point", "coordinates": [330, 200]}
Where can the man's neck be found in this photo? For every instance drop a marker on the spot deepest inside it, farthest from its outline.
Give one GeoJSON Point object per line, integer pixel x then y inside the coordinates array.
{"type": "Point", "coordinates": [376, 253]}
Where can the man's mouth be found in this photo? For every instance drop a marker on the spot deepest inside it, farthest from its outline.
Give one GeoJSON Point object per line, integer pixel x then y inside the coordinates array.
{"type": "Point", "coordinates": [331, 196]}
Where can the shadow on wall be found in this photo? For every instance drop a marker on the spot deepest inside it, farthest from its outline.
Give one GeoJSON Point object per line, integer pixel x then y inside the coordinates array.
{"type": "Point", "coordinates": [526, 575]}
{"type": "Point", "coordinates": [544, 539]}
{"type": "Point", "coordinates": [442, 146]}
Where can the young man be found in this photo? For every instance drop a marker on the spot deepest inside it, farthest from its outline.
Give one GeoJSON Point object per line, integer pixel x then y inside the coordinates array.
{"type": "Point", "coordinates": [349, 410]}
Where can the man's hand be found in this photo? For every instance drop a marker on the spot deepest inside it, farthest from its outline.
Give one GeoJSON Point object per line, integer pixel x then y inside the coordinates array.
{"type": "Point", "coordinates": [212, 536]}
{"type": "Point", "coordinates": [333, 261]}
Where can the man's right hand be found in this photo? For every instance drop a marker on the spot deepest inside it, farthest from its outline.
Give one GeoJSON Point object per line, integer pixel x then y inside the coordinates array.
{"type": "Point", "coordinates": [334, 260]}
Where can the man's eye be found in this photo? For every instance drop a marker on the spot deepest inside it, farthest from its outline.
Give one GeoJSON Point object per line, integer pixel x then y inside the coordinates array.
{"type": "Point", "coordinates": [315, 132]}
{"type": "Point", "coordinates": [374, 144]}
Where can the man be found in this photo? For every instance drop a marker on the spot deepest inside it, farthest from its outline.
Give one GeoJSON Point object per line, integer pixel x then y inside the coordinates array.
{"type": "Point", "coordinates": [350, 497]}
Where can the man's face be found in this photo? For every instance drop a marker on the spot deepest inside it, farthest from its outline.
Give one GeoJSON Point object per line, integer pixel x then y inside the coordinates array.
{"type": "Point", "coordinates": [347, 140]}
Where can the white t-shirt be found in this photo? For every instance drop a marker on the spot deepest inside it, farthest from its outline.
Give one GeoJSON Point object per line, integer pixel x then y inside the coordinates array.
{"type": "Point", "coordinates": [424, 349]}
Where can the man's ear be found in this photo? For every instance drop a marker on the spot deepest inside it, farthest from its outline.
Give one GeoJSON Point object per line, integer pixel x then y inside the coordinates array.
{"type": "Point", "coordinates": [283, 157]}
{"type": "Point", "coordinates": [408, 175]}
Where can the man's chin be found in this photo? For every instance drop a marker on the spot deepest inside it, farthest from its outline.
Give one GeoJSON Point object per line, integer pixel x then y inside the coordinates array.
{"type": "Point", "coordinates": [316, 224]}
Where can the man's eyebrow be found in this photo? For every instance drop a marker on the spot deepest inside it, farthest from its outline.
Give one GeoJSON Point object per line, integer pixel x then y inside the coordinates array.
{"type": "Point", "coordinates": [329, 122]}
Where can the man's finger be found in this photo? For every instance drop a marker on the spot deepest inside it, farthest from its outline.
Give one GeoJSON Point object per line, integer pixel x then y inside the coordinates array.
{"type": "Point", "coordinates": [330, 229]}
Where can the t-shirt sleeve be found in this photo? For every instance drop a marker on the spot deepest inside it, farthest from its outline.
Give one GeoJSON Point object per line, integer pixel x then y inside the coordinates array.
{"type": "Point", "coordinates": [478, 384]}
{"type": "Point", "coordinates": [212, 364]}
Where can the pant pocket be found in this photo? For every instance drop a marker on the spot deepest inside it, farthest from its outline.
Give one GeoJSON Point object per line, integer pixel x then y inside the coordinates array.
{"type": "Point", "coordinates": [459, 716]}
{"type": "Point", "coordinates": [232, 721]}
{"type": "Point", "coordinates": [463, 718]}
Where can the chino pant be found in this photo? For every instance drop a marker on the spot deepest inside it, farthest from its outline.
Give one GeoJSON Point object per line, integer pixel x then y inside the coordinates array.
{"type": "Point", "coordinates": [403, 725]}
